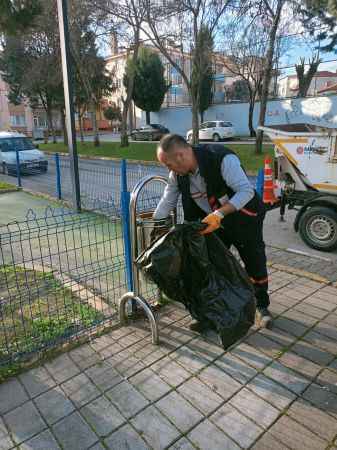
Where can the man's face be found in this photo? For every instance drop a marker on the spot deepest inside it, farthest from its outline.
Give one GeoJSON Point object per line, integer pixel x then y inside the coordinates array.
{"type": "Point", "coordinates": [177, 160]}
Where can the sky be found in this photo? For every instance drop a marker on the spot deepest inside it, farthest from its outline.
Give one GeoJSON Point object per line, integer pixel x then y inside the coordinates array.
{"type": "Point", "coordinates": [301, 49]}
{"type": "Point", "coordinates": [298, 44]}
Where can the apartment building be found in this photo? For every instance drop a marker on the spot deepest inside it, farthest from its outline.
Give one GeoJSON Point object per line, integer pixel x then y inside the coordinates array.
{"type": "Point", "coordinates": [288, 86]}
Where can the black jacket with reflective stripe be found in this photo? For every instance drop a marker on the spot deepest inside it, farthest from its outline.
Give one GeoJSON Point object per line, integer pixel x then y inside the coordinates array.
{"type": "Point", "coordinates": [209, 158]}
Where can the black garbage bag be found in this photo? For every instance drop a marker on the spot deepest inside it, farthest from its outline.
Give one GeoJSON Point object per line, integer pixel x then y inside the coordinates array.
{"type": "Point", "coordinates": [202, 273]}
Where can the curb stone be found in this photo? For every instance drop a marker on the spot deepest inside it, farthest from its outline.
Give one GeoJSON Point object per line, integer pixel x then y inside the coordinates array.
{"type": "Point", "coordinates": [299, 272]}
{"type": "Point", "coordinates": [7, 191]}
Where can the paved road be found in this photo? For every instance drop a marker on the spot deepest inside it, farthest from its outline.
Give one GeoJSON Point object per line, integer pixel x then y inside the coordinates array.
{"type": "Point", "coordinates": [100, 180]}
{"type": "Point", "coordinates": [295, 252]}
{"type": "Point", "coordinates": [282, 234]}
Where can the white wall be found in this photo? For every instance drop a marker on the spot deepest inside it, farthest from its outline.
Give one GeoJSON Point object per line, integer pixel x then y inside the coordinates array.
{"type": "Point", "coordinates": [318, 110]}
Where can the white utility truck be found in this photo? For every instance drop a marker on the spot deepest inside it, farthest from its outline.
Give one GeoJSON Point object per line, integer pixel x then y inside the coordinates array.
{"type": "Point", "coordinates": [306, 180]}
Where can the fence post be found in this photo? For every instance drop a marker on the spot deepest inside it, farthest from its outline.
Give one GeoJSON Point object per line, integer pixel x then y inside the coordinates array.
{"type": "Point", "coordinates": [125, 215]}
{"type": "Point", "coordinates": [58, 176]}
{"type": "Point", "coordinates": [260, 182]}
{"type": "Point", "coordinates": [18, 173]}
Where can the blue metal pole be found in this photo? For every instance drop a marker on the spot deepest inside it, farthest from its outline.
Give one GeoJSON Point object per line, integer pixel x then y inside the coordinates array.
{"type": "Point", "coordinates": [125, 215]}
{"type": "Point", "coordinates": [18, 173]}
{"type": "Point", "coordinates": [124, 179]}
{"type": "Point", "coordinates": [58, 176]}
{"type": "Point", "coordinates": [260, 182]}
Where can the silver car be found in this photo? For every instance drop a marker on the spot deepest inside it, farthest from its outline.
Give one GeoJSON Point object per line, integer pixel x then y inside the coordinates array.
{"type": "Point", "coordinates": [31, 159]}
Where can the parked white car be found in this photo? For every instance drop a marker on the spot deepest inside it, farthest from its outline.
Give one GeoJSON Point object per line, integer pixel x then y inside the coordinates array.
{"type": "Point", "coordinates": [30, 158]}
{"type": "Point", "coordinates": [213, 131]}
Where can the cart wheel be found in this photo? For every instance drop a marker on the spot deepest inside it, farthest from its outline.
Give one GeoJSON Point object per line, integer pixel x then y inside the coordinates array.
{"type": "Point", "coordinates": [318, 228]}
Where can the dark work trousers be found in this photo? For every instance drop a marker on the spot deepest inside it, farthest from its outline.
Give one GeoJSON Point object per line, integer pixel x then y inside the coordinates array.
{"type": "Point", "coordinates": [244, 231]}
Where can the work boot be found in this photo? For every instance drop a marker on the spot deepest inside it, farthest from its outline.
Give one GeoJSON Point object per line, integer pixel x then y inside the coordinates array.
{"type": "Point", "coordinates": [199, 327]}
{"type": "Point", "coordinates": [265, 319]}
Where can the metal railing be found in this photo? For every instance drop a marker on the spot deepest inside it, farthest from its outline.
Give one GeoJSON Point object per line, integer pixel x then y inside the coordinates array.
{"type": "Point", "coordinates": [100, 180]}
{"type": "Point", "coordinates": [63, 274]}
{"type": "Point", "coordinates": [60, 275]}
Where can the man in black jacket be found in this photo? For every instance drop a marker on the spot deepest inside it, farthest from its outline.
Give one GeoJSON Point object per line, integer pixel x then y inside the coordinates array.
{"type": "Point", "coordinates": [215, 189]}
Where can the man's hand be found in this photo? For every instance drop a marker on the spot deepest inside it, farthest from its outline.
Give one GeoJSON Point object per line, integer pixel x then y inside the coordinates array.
{"type": "Point", "coordinates": [213, 221]}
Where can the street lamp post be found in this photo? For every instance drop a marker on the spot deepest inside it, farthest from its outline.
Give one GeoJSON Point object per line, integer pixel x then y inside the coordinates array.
{"type": "Point", "coordinates": [68, 99]}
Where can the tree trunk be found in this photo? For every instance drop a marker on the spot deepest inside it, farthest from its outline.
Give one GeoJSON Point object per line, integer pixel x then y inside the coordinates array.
{"type": "Point", "coordinates": [131, 127]}
{"type": "Point", "coordinates": [46, 136]}
{"type": "Point", "coordinates": [95, 128]}
{"type": "Point", "coordinates": [50, 123]}
{"type": "Point", "coordinates": [303, 86]}
{"type": "Point", "coordinates": [80, 124]}
{"type": "Point", "coordinates": [129, 92]}
{"type": "Point", "coordinates": [124, 131]}
{"type": "Point", "coordinates": [147, 117]}
{"type": "Point", "coordinates": [267, 74]}
{"type": "Point", "coordinates": [201, 116]}
{"type": "Point", "coordinates": [250, 116]}
{"type": "Point", "coordinates": [195, 122]}
{"type": "Point", "coordinates": [64, 128]}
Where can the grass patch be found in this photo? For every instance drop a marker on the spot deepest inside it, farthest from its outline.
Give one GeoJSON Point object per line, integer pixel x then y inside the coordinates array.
{"type": "Point", "coordinates": [37, 311]}
{"type": "Point", "coordinates": [249, 159]}
{"type": "Point", "coordinates": [136, 150]}
{"type": "Point", "coordinates": [5, 186]}
{"type": "Point", "coordinates": [146, 151]}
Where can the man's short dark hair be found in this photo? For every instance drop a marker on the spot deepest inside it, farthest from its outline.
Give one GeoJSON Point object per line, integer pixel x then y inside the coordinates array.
{"type": "Point", "coordinates": [170, 141]}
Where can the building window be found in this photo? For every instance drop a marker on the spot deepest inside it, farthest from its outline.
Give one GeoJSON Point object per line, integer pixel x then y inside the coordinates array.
{"type": "Point", "coordinates": [17, 120]}
{"type": "Point", "coordinates": [117, 83]}
{"type": "Point", "coordinates": [40, 121]}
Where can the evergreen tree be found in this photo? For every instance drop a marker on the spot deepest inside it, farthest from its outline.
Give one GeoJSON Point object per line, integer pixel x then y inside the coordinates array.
{"type": "Point", "coordinates": [150, 85]}
{"type": "Point", "coordinates": [18, 15]}
{"type": "Point", "coordinates": [322, 12]}
{"type": "Point", "coordinates": [202, 70]}
{"type": "Point", "coordinates": [206, 92]}
{"type": "Point", "coordinates": [112, 113]}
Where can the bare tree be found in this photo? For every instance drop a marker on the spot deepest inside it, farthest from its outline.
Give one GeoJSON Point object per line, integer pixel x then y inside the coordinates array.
{"type": "Point", "coordinates": [173, 28]}
{"type": "Point", "coordinates": [125, 18]}
{"type": "Point", "coordinates": [245, 58]}
{"type": "Point", "coordinates": [271, 12]}
{"type": "Point", "coordinates": [304, 79]}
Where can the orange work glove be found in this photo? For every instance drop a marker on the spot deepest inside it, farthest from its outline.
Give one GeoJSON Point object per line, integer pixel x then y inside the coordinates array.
{"type": "Point", "coordinates": [213, 221]}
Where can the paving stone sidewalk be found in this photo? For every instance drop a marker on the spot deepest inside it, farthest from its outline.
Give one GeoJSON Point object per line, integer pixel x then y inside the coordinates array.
{"type": "Point", "coordinates": [276, 389]}
{"type": "Point", "coordinates": [319, 266]}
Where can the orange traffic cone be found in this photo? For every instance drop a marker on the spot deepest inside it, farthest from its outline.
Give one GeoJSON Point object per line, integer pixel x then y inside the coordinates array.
{"type": "Point", "coordinates": [268, 185]}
